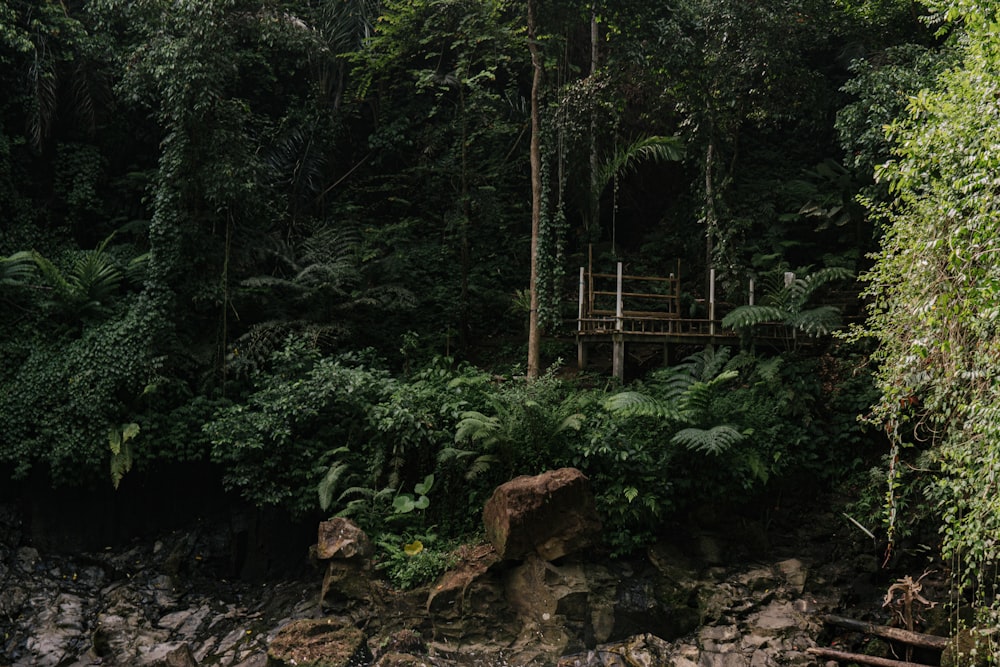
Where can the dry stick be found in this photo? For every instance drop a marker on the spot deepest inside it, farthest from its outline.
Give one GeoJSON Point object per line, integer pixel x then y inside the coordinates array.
{"type": "Point", "coordinates": [842, 656]}
{"type": "Point", "coordinates": [905, 636]}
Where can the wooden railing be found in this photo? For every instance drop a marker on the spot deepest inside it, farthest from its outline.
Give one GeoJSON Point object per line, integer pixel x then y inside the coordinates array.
{"type": "Point", "coordinates": [628, 304]}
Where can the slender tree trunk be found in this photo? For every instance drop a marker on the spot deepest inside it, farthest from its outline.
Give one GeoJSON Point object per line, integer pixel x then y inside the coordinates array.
{"type": "Point", "coordinates": [594, 208]}
{"type": "Point", "coordinates": [534, 335]}
{"type": "Point", "coordinates": [711, 217]}
{"type": "Point", "coordinates": [464, 326]}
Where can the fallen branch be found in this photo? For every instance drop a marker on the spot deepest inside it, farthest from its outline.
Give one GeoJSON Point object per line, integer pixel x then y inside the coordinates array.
{"type": "Point", "coordinates": [843, 656]}
{"type": "Point", "coordinates": [906, 636]}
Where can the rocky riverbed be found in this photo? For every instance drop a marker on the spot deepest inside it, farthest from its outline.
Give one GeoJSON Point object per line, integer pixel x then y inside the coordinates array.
{"type": "Point", "coordinates": [717, 592]}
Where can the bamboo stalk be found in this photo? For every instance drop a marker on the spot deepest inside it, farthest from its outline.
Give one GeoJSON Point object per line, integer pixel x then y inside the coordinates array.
{"type": "Point", "coordinates": [898, 634]}
{"type": "Point", "coordinates": [843, 656]}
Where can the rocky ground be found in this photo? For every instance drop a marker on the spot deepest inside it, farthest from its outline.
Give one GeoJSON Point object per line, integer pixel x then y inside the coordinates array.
{"type": "Point", "coordinates": [717, 593]}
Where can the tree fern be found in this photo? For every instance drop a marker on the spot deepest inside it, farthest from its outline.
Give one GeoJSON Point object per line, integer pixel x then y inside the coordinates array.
{"type": "Point", "coordinates": [714, 441]}
{"type": "Point", "coordinates": [802, 289]}
{"type": "Point", "coordinates": [744, 317]}
{"type": "Point", "coordinates": [787, 304]}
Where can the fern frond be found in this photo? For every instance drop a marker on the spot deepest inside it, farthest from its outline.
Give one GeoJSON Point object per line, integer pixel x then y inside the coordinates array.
{"type": "Point", "coordinates": [769, 369]}
{"type": "Point", "coordinates": [818, 321]}
{"type": "Point", "coordinates": [51, 273]}
{"type": "Point", "coordinates": [714, 441]}
{"type": "Point", "coordinates": [480, 465]}
{"type": "Point", "coordinates": [330, 480]}
{"type": "Point", "coordinates": [635, 404]}
{"type": "Point", "coordinates": [707, 362]}
{"type": "Point", "coordinates": [744, 317]}
{"type": "Point", "coordinates": [476, 426]}
{"type": "Point", "coordinates": [697, 400]}
{"type": "Point", "coordinates": [803, 288]}
{"type": "Point", "coordinates": [573, 421]}
{"type": "Point", "coordinates": [453, 454]}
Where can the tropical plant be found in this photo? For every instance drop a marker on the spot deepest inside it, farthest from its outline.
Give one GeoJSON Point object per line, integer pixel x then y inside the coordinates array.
{"type": "Point", "coordinates": [520, 430]}
{"type": "Point", "coordinates": [786, 301]}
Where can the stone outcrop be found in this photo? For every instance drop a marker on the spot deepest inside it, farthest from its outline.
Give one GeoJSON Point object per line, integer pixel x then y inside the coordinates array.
{"type": "Point", "coordinates": [163, 603]}
{"type": "Point", "coordinates": [551, 515]}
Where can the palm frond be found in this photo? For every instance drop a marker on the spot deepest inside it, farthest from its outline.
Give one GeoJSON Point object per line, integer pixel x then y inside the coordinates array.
{"type": "Point", "coordinates": [95, 277]}
{"type": "Point", "coordinates": [17, 269]}
{"type": "Point", "coordinates": [714, 441]}
{"type": "Point", "coordinates": [651, 149]}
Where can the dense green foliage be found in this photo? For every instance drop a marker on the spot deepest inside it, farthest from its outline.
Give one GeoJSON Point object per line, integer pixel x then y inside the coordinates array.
{"type": "Point", "coordinates": [290, 240]}
{"type": "Point", "coordinates": [934, 310]}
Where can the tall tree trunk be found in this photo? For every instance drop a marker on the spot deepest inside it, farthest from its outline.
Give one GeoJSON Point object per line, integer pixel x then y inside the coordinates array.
{"type": "Point", "coordinates": [534, 335]}
{"type": "Point", "coordinates": [594, 208]}
{"type": "Point", "coordinates": [711, 216]}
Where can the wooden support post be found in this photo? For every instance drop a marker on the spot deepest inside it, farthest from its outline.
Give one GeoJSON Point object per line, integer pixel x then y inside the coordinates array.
{"type": "Point", "coordinates": [581, 353]}
{"type": "Point", "coordinates": [711, 302]}
{"type": "Point", "coordinates": [751, 291]}
{"type": "Point", "coordinates": [618, 356]}
{"type": "Point", "coordinates": [619, 306]}
{"type": "Point", "coordinates": [618, 339]}
{"type": "Point", "coordinates": [579, 321]}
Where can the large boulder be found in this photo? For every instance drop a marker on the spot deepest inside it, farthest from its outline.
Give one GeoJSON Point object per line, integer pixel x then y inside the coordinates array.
{"type": "Point", "coordinates": [551, 515]}
{"type": "Point", "coordinates": [342, 538]}
{"type": "Point", "coordinates": [346, 548]}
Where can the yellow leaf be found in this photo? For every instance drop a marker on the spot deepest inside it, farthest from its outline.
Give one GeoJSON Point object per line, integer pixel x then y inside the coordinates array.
{"type": "Point", "coordinates": [413, 548]}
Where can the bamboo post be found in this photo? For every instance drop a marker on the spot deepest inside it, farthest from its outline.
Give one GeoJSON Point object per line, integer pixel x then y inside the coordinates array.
{"type": "Point", "coordinates": [751, 291]}
{"type": "Point", "coordinates": [579, 317]}
{"type": "Point", "coordinates": [711, 302]}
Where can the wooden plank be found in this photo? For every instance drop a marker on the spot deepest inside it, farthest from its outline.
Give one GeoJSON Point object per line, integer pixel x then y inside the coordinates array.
{"type": "Point", "coordinates": [843, 656]}
{"type": "Point", "coordinates": [906, 636]}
